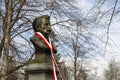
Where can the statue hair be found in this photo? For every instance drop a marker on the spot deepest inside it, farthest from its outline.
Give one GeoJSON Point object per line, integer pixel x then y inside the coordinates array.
{"type": "Point", "coordinates": [38, 21]}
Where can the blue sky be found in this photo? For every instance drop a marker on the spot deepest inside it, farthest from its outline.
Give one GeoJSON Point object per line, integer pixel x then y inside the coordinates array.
{"type": "Point", "coordinates": [113, 47]}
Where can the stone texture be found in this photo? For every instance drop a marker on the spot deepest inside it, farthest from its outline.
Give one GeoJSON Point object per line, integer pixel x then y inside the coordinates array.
{"type": "Point", "coordinates": [41, 71]}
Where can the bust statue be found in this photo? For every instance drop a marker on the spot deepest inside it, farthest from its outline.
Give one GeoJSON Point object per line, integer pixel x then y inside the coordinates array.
{"type": "Point", "coordinates": [42, 52]}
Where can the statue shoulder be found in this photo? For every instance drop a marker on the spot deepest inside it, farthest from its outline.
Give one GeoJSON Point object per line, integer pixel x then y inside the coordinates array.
{"type": "Point", "coordinates": [38, 42]}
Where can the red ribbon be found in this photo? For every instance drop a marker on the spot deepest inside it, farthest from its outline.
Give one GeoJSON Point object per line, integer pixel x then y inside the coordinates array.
{"type": "Point", "coordinates": [50, 46]}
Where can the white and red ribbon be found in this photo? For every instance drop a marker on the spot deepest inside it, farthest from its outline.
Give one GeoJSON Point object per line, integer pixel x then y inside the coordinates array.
{"type": "Point", "coordinates": [54, 64]}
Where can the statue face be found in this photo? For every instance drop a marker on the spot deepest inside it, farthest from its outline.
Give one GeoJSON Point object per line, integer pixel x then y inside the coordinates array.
{"type": "Point", "coordinates": [42, 24]}
{"type": "Point", "coordinates": [45, 26]}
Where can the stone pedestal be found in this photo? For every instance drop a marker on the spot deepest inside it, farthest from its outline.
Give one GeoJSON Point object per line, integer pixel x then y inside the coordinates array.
{"type": "Point", "coordinates": [40, 68]}
{"type": "Point", "coordinates": [39, 71]}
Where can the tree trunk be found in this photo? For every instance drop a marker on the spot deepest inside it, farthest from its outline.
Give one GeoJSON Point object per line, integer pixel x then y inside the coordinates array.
{"type": "Point", "coordinates": [6, 31]}
{"type": "Point", "coordinates": [75, 59]}
{"type": "Point", "coordinates": [5, 57]}
{"type": "Point", "coordinates": [75, 69]}
{"type": "Point", "coordinates": [1, 46]}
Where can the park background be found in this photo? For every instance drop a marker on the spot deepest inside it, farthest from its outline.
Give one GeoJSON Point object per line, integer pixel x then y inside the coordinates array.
{"type": "Point", "coordinates": [86, 33]}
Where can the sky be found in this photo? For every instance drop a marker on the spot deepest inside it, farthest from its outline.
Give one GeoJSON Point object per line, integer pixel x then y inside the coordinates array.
{"type": "Point", "coordinates": [113, 48]}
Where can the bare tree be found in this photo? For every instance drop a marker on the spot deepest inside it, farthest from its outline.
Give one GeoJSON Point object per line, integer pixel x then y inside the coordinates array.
{"type": "Point", "coordinates": [103, 16]}
{"type": "Point", "coordinates": [113, 71]}
{"type": "Point", "coordinates": [16, 17]}
{"type": "Point", "coordinates": [64, 71]}
{"type": "Point", "coordinates": [74, 40]}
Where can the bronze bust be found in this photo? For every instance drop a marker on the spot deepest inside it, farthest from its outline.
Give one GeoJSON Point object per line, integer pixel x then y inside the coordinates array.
{"type": "Point", "coordinates": [41, 24]}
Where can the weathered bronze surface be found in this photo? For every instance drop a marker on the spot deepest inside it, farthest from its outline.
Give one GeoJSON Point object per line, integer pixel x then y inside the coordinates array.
{"type": "Point", "coordinates": [42, 52]}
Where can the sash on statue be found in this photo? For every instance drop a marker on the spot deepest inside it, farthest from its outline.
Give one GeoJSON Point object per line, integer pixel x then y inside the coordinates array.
{"type": "Point", "coordinates": [50, 46]}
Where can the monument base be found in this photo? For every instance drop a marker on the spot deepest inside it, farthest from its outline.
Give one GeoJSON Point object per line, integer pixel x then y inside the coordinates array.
{"type": "Point", "coordinates": [39, 71]}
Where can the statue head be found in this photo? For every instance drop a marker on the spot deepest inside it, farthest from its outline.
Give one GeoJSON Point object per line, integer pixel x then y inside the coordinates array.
{"type": "Point", "coordinates": [42, 24]}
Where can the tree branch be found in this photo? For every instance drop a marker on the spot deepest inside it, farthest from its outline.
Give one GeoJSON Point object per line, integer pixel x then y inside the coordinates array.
{"type": "Point", "coordinates": [109, 24]}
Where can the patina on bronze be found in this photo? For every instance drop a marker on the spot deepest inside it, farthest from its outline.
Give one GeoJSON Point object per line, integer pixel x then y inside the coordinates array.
{"type": "Point", "coordinates": [42, 52]}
